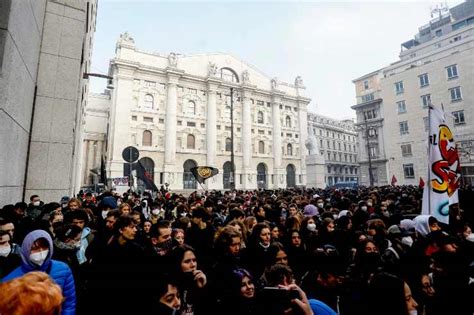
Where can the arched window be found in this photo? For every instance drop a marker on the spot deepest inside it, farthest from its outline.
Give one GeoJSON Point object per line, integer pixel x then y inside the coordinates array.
{"type": "Point", "coordinates": [191, 108]}
{"type": "Point", "coordinates": [191, 142]}
{"type": "Point", "coordinates": [261, 147]}
{"type": "Point", "coordinates": [148, 101]}
{"type": "Point", "coordinates": [146, 139]}
{"type": "Point", "coordinates": [289, 149]}
{"type": "Point", "coordinates": [260, 118]}
{"type": "Point", "coordinates": [288, 121]}
{"type": "Point", "coordinates": [228, 145]}
{"type": "Point", "coordinates": [228, 74]}
{"type": "Point", "coordinates": [227, 112]}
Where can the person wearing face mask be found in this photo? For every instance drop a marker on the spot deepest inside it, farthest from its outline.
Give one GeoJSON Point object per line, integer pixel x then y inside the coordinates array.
{"type": "Point", "coordinates": [66, 244]}
{"type": "Point", "coordinates": [35, 208]}
{"type": "Point", "coordinates": [9, 260]}
{"type": "Point", "coordinates": [36, 252]}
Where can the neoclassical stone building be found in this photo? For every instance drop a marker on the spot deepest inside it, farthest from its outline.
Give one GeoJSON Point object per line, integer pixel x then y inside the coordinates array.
{"type": "Point", "coordinates": [176, 110]}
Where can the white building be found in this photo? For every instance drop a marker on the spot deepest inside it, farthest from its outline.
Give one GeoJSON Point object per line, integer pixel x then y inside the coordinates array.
{"type": "Point", "coordinates": [45, 48]}
{"type": "Point", "coordinates": [337, 142]}
{"type": "Point", "coordinates": [436, 67]}
{"type": "Point", "coordinates": [176, 110]}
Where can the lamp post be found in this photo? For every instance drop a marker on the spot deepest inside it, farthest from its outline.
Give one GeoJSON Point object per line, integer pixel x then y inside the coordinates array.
{"type": "Point", "coordinates": [232, 165]}
{"type": "Point", "coordinates": [371, 177]}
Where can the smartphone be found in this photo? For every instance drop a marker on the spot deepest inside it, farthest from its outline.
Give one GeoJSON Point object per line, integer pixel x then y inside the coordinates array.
{"type": "Point", "coordinates": [278, 300]}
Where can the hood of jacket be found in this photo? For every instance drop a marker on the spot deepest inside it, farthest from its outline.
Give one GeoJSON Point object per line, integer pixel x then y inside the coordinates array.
{"type": "Point", "coordinates": [29, 240]}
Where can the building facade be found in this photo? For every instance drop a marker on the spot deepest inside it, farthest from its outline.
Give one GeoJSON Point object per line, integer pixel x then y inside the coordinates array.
{"type": "Point", "coordinates": [436, 67]}
{"type": "Point", "coordinates": [337, 142]}
{"type": "Point", "coordinates": [370, 130]}
{"type": "Point", "coordinates": [94, 142]}
{"type": "Point", "coordinates": [176, 110]}
{"type": "Point", "coordinates": [45, 47]}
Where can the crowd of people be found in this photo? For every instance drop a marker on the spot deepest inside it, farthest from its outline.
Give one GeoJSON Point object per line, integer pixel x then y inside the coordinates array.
{"type": "Point", "coordinates": [287, 251]}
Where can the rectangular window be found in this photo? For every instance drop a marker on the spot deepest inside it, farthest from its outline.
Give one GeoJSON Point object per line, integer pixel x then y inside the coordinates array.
{"type": "Point", "coordinates": [402, 107]}
{"type": "Point", "coordinates": [203, 125]}
{"type": "Point", "coordinates": [403, 127]}
{"type": "Point", "coordinates": [134, 118]}
{"type": "Point", "coordinates": [408, 171]}
{"type": "Point", "coordinates": [366, 84]}
{"type": "Point", "coordinates": [438, 33]}
{"type": "Point", "coordinates": [191, 124]}
{"type": "Point", "coordinates": [150, 84]}
{"type": "Point", "coordinates": [161, 120]}
{"type": "Point", "coordinates": [261, 132]}
{"type": "Point", "coordinates": [148, 119]}
{"type": "Point", "coordinates": [424, 81]}
{"type": "Point", "coordinates": [426, 100]}
{"type": "Point", "coordinates": [367, 97]}
{"type": "Point", "coordinates": [406, 149]}
{"type": "Point", "coordinates": [399, 87]}
{"type": "Point", "coordinates": [459, 117]}
{"type": "Point", "coordinates": [180, 122]}
{"type": "Point", "coordinates": [227, 128]}
{"type": "Point", "coordinates": [455, 94]}
{"type": "Point", "coordinates": [218, 127]}
{"type": "Point", "coordinates": [452, 71]}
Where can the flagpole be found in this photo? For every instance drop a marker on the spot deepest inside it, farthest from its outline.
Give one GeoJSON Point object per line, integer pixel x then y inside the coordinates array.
{"type": "Point", "coordinates": [428, 184]}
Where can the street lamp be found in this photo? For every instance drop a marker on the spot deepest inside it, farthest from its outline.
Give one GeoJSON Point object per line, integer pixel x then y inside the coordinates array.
{"type": "Point", "coordinates": [371, 177]}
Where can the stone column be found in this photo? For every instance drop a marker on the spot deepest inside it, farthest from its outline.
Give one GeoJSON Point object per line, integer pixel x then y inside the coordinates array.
{"type": "Point", "coordinates": [170, 123]}
{"type": "Point", "coordinates": [211, 132]}
{"type": "Point", "coordinates": [303, 129]}
{"type": "Point", "coordinates": [246, 140]}
{"type": "Point", "coordinates": [276, 132]}
{"type": "Point", "coordinates": [170, 131]}
{"type": "Point", "coordinates": [90, 160]}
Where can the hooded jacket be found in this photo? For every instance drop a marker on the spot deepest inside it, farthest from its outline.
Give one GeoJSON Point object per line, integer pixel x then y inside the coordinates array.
{"type": "Point", "coordinates": [57, 270]}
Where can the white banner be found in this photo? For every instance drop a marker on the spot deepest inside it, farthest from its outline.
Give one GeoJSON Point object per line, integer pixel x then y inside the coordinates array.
{"type": "Point", "coordinates": [444, 169]}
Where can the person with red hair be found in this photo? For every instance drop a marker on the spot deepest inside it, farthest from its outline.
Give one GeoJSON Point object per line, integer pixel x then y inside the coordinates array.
{"type": "Point", "coordinates": [33, 293]}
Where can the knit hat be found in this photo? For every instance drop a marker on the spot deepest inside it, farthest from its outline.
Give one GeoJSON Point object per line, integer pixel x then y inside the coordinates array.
{"type": "Point", "coordinates": [108, 202]}
{"type": "Point", "coordinates": [310, 210]}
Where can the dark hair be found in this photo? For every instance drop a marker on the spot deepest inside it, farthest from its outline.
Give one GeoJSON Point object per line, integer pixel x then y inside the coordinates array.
{"type": "Point", "coordinates": [78, 214]}
{"type": "Point", "coordinates": [276, 274]}
{"type": "Point", "coordinates": [236, 280]}
{"type": "Point", "coordinates": [257, 229]}
{"type": "Point", "coordinates": [33, 197]}
{"type": "Point", "coordinates": [272, 252]}
{"type": "Point", "coordinates": [113, 213]}
{"type": "Point", "coordinates": [68, 231]}
{"type": "Point", "coordinates": [224, 239]}
{"type": "Point", "coordinates": [155, 228]}
{"type": "Point", "coordinates": [176, 258]}
{"type": "Point", "coordinates": [387, 295]}
{"type": "Point", "coordinates": [123, 222]}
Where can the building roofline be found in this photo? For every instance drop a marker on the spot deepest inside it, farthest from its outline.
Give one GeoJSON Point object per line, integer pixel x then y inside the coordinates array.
{"type": "Point", "coordinates": [368, 75]}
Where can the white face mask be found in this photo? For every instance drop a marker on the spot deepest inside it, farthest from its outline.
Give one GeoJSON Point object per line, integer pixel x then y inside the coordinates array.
{"type": "Point", "coordinates": [104, 214]}
{"type": "Point", "coordinates": [335, 216]}
{"type": "Point", "coordinates": [413, 312]}
{"type": "Point", "coordinates": [407, 240]}
{"type": "Point", "coordinates": [155, 211]}
{"type": "Point", "coordinates": [311, 227]}
{"type": "Point", "coordinates": [36, 203]}
{"type": "Point", "coordinates": [470, 237]}
{"type": "Point", "coordinates": [369, 204]}
{"type": "Point", "coordinates": [39, 257]}
{"type": "Point", "coordinates": [320, 205]}
{"type": "Point", "coordinates": [363, 208]}
{"type": "Point", "coordinates": [5, 250]}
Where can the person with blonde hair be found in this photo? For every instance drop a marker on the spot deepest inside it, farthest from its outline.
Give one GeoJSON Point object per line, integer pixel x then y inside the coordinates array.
{"type": "Point", "coordinates": [33, 293]}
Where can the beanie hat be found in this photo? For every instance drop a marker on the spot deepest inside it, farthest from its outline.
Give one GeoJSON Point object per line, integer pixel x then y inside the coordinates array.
{"type": "Point", "coordinates": [108, 202]}
{"type": "Point", "coordinates": [310, 210]}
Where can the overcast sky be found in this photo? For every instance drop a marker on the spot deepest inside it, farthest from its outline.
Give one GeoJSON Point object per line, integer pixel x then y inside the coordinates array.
{"type": "Point", "coordinates": [328, 43]}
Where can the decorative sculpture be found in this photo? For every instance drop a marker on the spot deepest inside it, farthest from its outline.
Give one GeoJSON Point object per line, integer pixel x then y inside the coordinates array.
{"type": "Point", "coordinates": [299, 82]}
{"type": "Point", "coordinates": [212, 69]}
{"type": "Point", "coordinates": [274, 83]}
{"type": "Point", "coordinates": [245, 77]}
{"type": "Point", "coordinates": [172, 60]}
{"type": "Point", "coordinates": [126, 38]}
{"type": "Point", "coordinates": [312, 145]}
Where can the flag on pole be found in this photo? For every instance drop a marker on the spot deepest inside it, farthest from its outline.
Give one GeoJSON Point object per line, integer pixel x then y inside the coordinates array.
{"type": "Point", "coordinates": [145, 176]}
{"type": "Point", "coordinates": [394, 180]}
{"type": "Point", "coordinates": [444, 169]}
{"type": "Point", "coordinates": [201, 173]}
{"type": "Point", "coordinates": [422, 183]}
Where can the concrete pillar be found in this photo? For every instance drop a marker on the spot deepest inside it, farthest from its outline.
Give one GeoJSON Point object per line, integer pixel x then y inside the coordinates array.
{"type": "Point", "coordinates": [170, 123]}
{"type": "Point", "coordinates": [90, 161]}
{"type": "Point", "coordinates": [211, 133]}
{"type": "Point", "coordinates": [246, 130]}
{"type": "Point", "coordinates": [276, 132]}
{"type": "Point", "coordinates": [303, 125]}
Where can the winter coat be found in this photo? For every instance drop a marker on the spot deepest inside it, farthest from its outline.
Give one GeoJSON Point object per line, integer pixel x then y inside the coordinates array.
{"type": "Point", "coordinates": [57, 270]}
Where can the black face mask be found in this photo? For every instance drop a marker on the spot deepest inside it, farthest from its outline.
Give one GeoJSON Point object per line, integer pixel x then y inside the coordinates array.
{"type": "Point", "coordinates": [371, 260]}
{"type": "Point", "coordinates": [163, 309]}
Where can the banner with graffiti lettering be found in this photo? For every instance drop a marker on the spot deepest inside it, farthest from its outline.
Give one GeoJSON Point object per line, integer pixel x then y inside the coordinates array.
{"type": "Point", "coordinates": [444, 169]}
